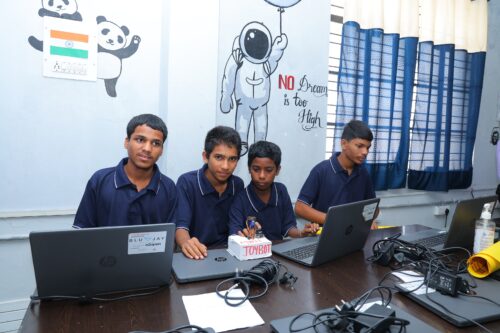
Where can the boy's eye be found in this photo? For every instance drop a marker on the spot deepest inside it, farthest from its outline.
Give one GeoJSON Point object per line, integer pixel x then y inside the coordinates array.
{"type": "Point", "coordinates": [233, 159]}
{"type": "Point", "coordinates": [219, 157]}
{"type": "Point", "coordinates": [139, 140]}
{"type": "Point", "coordinates": [157, 143]}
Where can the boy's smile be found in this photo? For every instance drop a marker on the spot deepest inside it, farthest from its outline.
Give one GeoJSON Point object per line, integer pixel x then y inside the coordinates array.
{"type": "Point", "coordinates": [221, 164]}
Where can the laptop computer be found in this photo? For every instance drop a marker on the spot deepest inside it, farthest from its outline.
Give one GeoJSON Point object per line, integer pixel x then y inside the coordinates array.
{"type": "Point", "coordinates": [283, 325]}
{"type": "Point", "coordinates": [462, 226]}
{"type": "Point", "coordinates": [217, 265]}
{"type": "Point", "coordinates": [84, 263]}
{"type": "Point", "coordinates": [460, 309]}
{"type": "Point", "coordinates": [345, 230]}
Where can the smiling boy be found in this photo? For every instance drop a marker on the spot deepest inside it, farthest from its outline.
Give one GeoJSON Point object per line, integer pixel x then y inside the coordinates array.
{"type": "Point", "coordinates": [266, 199]}
{"type": "Point", "coordinates": [135, 191]}
{"type": "Point", "coordinates": [205, 195]}
{"type": "Point", "coordinates": [340, 179]}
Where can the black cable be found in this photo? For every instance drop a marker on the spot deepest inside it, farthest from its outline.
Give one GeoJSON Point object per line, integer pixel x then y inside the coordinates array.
{"type": "Point", "coordinates": [89, 299]}
{"type": "Point", "coordinates": [192, 329]}
{"type": "Point", "coordinates": [264, 274]}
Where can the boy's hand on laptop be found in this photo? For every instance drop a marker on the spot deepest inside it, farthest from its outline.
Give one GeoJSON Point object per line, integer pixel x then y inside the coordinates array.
{"type": "Point", "coordinates": [193, 249]}
{"type": "Point", "coordinates": [310, 229]}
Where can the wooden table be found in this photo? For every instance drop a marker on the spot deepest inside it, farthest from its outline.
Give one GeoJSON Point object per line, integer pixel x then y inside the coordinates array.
{"type": "Point", "coordinates": [316, 288]}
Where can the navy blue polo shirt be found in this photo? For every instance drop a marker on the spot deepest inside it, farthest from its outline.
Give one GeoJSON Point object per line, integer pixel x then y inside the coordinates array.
{"type": "Point", "coordinates": [329, 185]}
{"type": "Point", "coordinates": [276, 217]}
{"type": "Point", "coordinates": [201, 210]}
{"type": "Point", "coordinates": [110, 199]}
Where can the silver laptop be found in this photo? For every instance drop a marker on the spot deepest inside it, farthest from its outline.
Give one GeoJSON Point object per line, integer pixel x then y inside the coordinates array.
{"type": "Point", "coordinates": [461, 232]}
{"type": "Point", "coordinates": [217, 265]}
{"type": "Point", "coordinates": [345, 230]}
{"type": "Point", "coordinates": [460, 310]}
{"type": "Point", "coordinates": [85, 263]}
{"type": "Point", "coordinates": [283, 325]}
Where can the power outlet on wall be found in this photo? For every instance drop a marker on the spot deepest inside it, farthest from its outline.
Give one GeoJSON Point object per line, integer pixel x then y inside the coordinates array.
{"type": "Point", "coordinates": [441, 210]}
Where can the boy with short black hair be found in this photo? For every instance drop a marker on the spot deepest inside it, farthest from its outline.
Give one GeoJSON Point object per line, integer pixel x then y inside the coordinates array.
{"type": "Point", "coordinates": [205, 195]}
{"type": "Point", "coordinates": [339, 180]}
{"type": "Point", "coordinates": [266, 199]}
{"type": "Point", "coordinates": [135, 191]}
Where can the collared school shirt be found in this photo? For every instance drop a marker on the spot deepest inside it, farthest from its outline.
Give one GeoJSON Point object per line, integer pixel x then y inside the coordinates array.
{"type": "Point", "coordinates": [110, 199]}
{"type": "Point", "coordinates": [275, 217]}
{"type": "Point", "coordinates": [328, 185]}
{"type": "Point", "coordinates": [201, 210]}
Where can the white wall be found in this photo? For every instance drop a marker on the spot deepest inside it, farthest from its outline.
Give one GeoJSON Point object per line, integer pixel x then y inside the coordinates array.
{"type": "Point", "coordinates": [181, 68]}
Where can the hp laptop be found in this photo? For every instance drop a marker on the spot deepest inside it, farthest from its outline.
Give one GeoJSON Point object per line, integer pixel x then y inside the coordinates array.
{"type": "Point", "coordinates": [461, 309]}
{"type": "Point", "coordinates": [283, 325]}
{"type": "Point", "coordinates": [345, 230]}
{"type": "Point", "coordinates": [461, 232]}
{"type": "Point", "coordinates": [217, 265]}
{"type": "Point", "coordinates": [84, 263]}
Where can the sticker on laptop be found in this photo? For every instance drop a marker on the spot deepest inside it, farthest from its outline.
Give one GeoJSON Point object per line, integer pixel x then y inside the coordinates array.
{"type": "Point", "coordinates": [369, 211]}
{"type": "Point", "coordinates": [147, 242]}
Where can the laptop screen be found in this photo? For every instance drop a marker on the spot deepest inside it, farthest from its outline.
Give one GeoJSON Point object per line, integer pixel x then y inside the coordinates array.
{"type": "Point", "coordinates": [89, 262]}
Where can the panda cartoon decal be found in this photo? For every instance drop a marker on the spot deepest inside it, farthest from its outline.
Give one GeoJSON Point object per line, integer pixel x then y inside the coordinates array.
{"type": "Point", "coordinates": [111, 49]}
{"type": "Point", "coordinates": [253, 59]}
{"type": "Point", "coordinates": [65, 9]}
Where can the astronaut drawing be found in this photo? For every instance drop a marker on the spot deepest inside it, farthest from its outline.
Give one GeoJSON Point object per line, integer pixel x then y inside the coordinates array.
{"type": "Point", "coordinates": [246, 83]}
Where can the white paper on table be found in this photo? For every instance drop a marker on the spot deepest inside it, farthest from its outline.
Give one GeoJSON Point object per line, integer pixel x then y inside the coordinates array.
{"type": "Point", "coordinates": [408, 276]}
{"type": "Point", "coordinates": [210, 310]}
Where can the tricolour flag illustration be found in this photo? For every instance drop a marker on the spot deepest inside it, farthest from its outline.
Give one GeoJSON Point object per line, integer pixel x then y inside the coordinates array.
{"type": "Point", "coordinates": [69, 44]}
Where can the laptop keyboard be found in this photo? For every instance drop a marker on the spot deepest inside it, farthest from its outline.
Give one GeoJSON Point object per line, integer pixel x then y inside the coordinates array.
{"type": "Point", "coordinates": [432, 241]}
{"type": "Point", "coordinates": [302, 252]}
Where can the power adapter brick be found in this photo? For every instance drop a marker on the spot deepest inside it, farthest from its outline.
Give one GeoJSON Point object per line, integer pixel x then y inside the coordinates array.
{"type": "Point", "coordinates": [374, 324]}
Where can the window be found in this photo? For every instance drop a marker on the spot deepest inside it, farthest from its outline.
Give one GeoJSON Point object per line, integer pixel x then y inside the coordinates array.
{"type": "Point", "coordinates": [336, 20]}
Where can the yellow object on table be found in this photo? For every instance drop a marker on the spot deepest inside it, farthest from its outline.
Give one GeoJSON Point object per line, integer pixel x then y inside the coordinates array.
{"type": "Point", "coordinates": [485, 262]}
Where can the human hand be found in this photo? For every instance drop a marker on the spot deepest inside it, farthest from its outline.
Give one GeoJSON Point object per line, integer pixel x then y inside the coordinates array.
{"type": "Point", "coordinates": [193, 249]}
{"type": "Point", "coordinates": [309, 229]}
{"type": "Point", "coordinates": [250, 232]}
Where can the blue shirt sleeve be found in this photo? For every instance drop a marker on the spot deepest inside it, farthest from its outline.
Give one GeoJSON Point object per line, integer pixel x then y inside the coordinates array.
{"type": "Point", "coordinates": [184, 204]}
{"type": "Point", "coordinates": [236, 216]}
{"type": "Point", "coordinates": [289, 220]}
{"type": "Point", "coordinates": [172, 201]}
{"type": "Point", "coordinates": [86, 215]}
{"type": "Point", "coordinates": [309, 192]}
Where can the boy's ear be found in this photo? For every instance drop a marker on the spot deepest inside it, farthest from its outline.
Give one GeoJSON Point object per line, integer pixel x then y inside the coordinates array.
{"type": "Point", "coordinates": [125, 144]}
{"type": "Point", "coordinates": [343, 142]}
{"type": "Point", "coordinates": [205, 156]}
{"type": "Point", "coordinates": [278, 169]}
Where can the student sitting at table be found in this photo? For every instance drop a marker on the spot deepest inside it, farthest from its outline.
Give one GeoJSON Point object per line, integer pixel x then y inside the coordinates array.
{"type": "Point", "coordinates": [265, 199]}
{"type": "Point", "coordinates": [205, 195]}
{"type": "Point", "coordinates": [135, 191]}
{"type": "Point", "coordinates": [341, 179]}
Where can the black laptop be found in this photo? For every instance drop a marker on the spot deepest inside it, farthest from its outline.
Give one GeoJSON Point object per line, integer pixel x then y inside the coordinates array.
{"type": "Point", "coordinates": [85, 263]}
{"type": "Point", "coordinates": [345, 230]}
{"type": "Point", "coordinates": [283, 325]}
{"type": "Point", "coordinates": [461, 232]}
{"type": "Point", "coordinates": [460, 310]}
{"type": "Point", "coordinates": [217, 265]}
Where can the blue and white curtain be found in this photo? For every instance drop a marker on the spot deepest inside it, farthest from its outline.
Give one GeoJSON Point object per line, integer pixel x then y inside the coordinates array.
{"type": "Point", "coordinates": [387, 46]}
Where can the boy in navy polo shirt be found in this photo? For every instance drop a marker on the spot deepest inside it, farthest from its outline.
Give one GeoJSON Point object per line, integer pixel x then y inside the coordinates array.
{"type": "Point", "coordinates": [340, 179]}
{"type": "Point", "coordinates": [265, 199]}
{"type": "Point", "coordinates": [205, 195]}
{"type": "Point", "coordinates": [135, 191]}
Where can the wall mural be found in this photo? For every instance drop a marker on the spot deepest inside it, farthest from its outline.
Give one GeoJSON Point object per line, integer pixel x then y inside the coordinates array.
{"type": "Point", "coordinates": [112, 44]}
{"type": "Point", "coordinates": [254, 74]}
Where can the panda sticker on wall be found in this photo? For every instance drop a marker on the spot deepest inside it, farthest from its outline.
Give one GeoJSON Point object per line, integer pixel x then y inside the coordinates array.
{"type": "Point", "coordinates": [65, 9]}
{"type": "Point", "coordinates": [111, 49]}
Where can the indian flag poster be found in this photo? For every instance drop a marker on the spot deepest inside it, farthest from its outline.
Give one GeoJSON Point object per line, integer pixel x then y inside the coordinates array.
{"type": "Point", "coordinates": [69, 49]}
